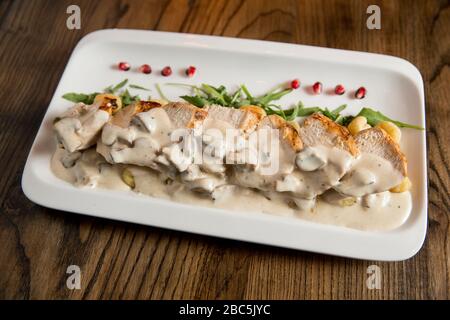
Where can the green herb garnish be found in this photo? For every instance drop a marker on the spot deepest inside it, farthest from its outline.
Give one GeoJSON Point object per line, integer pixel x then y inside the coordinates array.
{"type": "Point", "coordinates": [207, 94]}
{"type": "Point", "coordinates": [373, 117]}
{"type": "Point", "coordinates": [300, 111]}
{"type": "Point", "coordinates": [80, 97]}
{"type": "Point", "coordinates": [128, 99]}
{"type": "Point", "coordinates": [117, 87]}
{"type": "Point", "coordinates": [272, 96]}
{"type": "Point", "coordinates": [215, 94]}
{"type": "Point", "coordinates": [294, 113]}
{"type": "Point", "coordinates": [134, 86]}
{"type": "Point", "coordinates": [195, 100]}
{"type": "Point", "coordinates": [125, 95]}
{"type": "Point", "coordinates": [344, 120]}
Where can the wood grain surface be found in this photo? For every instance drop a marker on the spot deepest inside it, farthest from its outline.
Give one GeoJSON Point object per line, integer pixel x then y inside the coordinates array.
{"type": "Point", "coordinates": [126, 261]}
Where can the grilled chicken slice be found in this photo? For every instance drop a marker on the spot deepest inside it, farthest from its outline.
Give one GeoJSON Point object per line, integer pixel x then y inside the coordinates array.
{"type": "Point", "coordinates": [269, 154]}
{"type": "Point", "coordinates": [288, 132]}
{"type": "Point", "coordinates": [327, 154]}
{"type": "Point", "coordinates": [245, 118]}
{"type": "Point", "coordinates": [380, 167]}
{"type": "Point", "coordinates": [377, 141]}
{"type": "Point", "coordinates": [318, 129]}
{"type": "Point", "coordinates": [317, 156]}
{"type": "Point", "coordinates": [78, 128]}
{"type": "Point", "coordinates": [185, 115]}
{"type": "Point", "coordinates": [134, 137]}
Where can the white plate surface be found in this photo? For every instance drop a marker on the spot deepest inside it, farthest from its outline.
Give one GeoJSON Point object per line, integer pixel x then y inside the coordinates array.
{"type": "Point", "coordinates": [395, 87]}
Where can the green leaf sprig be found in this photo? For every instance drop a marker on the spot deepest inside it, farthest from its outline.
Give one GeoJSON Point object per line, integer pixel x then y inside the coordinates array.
{"type": "Point", "coordinates": [117, 87]}
{"type": "Point", "coordinates": [373, 117]}
{"type": "Point", "coordinates": [135, 86]}
{"type": "Point", "coordinates": [207, 94]}
{"type": "Point", "coordinates": [80, 97]}
{"type": "Point", "coordinates": [125, 95]}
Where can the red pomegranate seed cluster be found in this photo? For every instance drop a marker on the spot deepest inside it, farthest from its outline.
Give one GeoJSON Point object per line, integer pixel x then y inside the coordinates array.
{"type": "Point", "coordinates": [147, 69]}
{"type": "Point", "coordinates": [317, 87]}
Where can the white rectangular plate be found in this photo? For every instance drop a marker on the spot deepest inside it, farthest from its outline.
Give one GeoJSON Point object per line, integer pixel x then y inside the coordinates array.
{"type": "Point", "coordinates": [395, 87]}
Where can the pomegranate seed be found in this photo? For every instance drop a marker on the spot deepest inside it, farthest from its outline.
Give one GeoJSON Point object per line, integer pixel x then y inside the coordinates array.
{"type": "Point", "coordinates": [124, 66]}
{"type": "Point", "coordinates": [167, 71]}
{"type": "Point", "coordinates": [145, 68]}
{"type": "Point", "coordinates": [340, 90]}
{"type": "Point", "coordinates": [295, 84]}
{"type": "Point", "coordinates": [317, 87]}
{"type": "Point", "coordinates": [190, 71]}
{"type": "Point", "coordinates": [360, 93]}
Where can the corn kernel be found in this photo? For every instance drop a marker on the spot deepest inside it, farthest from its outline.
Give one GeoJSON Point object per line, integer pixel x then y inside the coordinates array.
{"type": "Point", "coordinates": [128, 178]}
{"type": "Point", "coordinates": [347, 202]}
{"type": "Point", "coordinates": [405, 185]}
{"type": "Point", "coordinates": [358, 124]}
{"type": "Point", "coordinates": [391, 129]}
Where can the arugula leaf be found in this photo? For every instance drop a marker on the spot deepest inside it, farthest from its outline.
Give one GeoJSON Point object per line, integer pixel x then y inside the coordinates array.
{"type": "Point", "coordinates": [247, 93]}
{"type": "Point", "coordinates": [373, 117]}
{"type": "Point", "coordinates": [304, 112]}
{"type": "Point", "coordinates": [80, 97]}
{"type": "Point", "coordinates": [236, 96]}
{"type": "Point", "coordinates": [208, 94]}
{"type": "Point", "coordinates": [195, 100]}
{"type": "Point", "coordinates": [117, 87]}
{"type": "Point", "coordinates": [294, 113]}
{"type": "Point", "coordinates": [327, 113]}
{"type": "Point", "coordinates": [75, 97]}
{"type": "Point", "coordinates": [278, 110]}
{"type": "Point", "coordinates": [128, 99]}
{"type": "Point", "coordinates": [339, 109]}
{"type": "Point", "coordinates": [344, 120]}
{"type": "Point", "coordinates": [176, 84]}
{"type": "Point", "coordinates": [221, 90]}
{"type": "Point", "coordinates": [134, 86]}
{"type": "Point", "coordinates": [335, 113]}
{"type": "Point", "coordinates": [214, 93]}
{"type": "Point", "coordinates": [301, 111]}
{"type": "Point", "coordinates": [264, 100]}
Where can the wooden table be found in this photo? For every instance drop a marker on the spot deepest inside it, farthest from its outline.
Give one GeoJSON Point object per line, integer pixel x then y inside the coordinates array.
{"type": "Point", "coordinates": [126, 261]}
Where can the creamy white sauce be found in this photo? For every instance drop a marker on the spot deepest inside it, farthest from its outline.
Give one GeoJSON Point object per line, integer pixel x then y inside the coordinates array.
{"type": "Point", "coordinates": [378, 218]}
{"type": "Point", "coordinates": [324, 166]}
{"type": "Point", "coordinates": [167, 168]}
{"type": "Point", "coordinates": [149, 182]}
{"type": "Point", "coordinates": [369, 174]}
{"type": "Point", "coordinates": [89, 170]}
